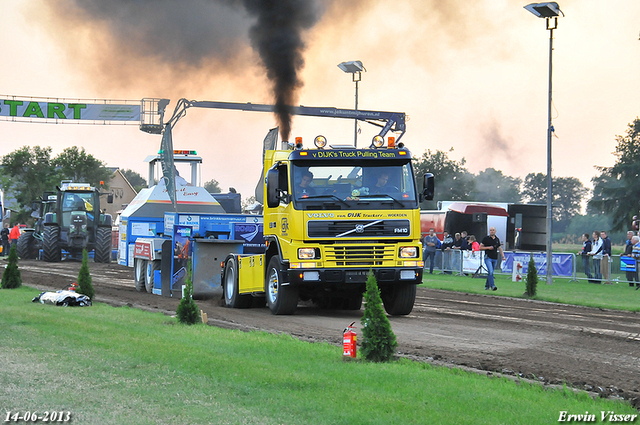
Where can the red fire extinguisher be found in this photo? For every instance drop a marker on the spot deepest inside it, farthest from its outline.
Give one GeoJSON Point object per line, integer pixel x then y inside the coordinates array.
{"type": "Point", "coordinates": [349, 344]}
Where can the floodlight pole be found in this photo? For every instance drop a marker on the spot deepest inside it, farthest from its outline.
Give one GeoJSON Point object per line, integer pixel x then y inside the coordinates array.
{"type": "Point", "coordinates": [549, 134]}
{"type": "Point", "coordinates": [355, 131]}
{"type": "Point", "coordinates": [548, 11]}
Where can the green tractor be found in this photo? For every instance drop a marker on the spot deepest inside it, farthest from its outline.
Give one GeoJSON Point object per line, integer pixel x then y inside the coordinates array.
{"type": "Point", "coordinates": [30, 241]}
{"type": "Point", "coordinates": [76, 223]}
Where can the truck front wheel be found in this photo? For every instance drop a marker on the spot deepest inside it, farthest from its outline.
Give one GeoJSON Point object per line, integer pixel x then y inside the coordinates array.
{"type": "Point", "coordinates": [398, 299]}
{"type": "Point", "coordinates": [232, 296]}
{"type": "Point", "coordinates": [281, 299]}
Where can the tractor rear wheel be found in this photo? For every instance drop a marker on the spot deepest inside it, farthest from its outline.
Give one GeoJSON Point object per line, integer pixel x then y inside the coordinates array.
{"type": "Point", "coordinates": [102, 253]}
{"type": "Point", "coordinates": [27, 248]}
{"type": "Point", "coordinates": [51, 250]}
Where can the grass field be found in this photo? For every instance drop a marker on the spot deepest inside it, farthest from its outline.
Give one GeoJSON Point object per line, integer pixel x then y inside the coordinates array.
{"type": "Point", "coordinates": [110, 365]}
{"type": "Point", "coordinates": [617, 296]}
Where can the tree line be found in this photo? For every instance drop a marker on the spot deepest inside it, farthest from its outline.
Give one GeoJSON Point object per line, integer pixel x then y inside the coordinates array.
{"type": "Point", "coordinates": [27, 172]}
{"type": "Point", "coordinates": [610, 206]}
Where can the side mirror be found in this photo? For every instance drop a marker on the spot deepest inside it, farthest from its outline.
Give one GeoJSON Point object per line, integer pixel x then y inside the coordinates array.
{"type": "Point", "coordinates": [272, 188]}
{"type": "Point", "coordinates": [429, 187]}
{"type": "Point", "coordinates": [110, 198]}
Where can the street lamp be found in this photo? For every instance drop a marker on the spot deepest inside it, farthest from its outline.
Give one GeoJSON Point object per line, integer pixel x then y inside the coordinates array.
{"type": "Point", "coordinates": [548, 11]}
{"type": "Point", "coordinates": [354, 68]}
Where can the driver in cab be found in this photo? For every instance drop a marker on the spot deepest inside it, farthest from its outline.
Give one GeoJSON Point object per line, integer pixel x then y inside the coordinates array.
{"type": "Point", "coordinates": [381, 184]}
{"type": "Point", "coordinates": [304, 189]}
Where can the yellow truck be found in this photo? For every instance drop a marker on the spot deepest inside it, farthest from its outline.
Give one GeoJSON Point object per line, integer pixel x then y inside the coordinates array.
{"type": "Point", "coordinates": [333, 215]}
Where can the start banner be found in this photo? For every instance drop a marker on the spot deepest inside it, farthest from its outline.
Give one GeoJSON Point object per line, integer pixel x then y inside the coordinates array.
{"type": "Point", "coordinates": [13, 108]}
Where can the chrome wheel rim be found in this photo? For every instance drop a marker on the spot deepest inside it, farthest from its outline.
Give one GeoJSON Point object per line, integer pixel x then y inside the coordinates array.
{"type": "Point", "coordinates": [273, 286]}
{"type": "Point", "coordinates": [229, 283]}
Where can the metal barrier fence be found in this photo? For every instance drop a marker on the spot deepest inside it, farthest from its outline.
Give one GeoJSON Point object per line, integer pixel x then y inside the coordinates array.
{"type": "Point", "coordinates": [458, 262]}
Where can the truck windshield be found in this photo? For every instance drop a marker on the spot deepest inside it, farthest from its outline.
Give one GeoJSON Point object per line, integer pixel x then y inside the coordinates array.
{"type": "Point", "coordinates": [367, 185]}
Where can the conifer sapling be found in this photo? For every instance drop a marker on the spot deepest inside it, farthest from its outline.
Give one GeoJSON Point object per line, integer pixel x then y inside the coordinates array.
{"type": "Point", "coordinates": [11, 278]}
{"type": "Point", "coordinates": [532, 278]}
{"type": "Point", "coordinates": [187, 310]}
{"type": "Point", "coordinates": [85, 285]}
{"type": "Point", "coordinates": [378, 340]}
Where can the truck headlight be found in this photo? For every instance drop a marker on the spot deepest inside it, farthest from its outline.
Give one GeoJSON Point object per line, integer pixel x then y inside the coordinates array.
{"type": "Point", "coordinates": [306, 253]}
{"type": "Point", "coordinates": [408, 252]}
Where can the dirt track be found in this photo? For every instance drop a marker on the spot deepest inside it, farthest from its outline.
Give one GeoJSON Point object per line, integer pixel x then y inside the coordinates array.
{"type": "Point", "coordinates": [592, 349]}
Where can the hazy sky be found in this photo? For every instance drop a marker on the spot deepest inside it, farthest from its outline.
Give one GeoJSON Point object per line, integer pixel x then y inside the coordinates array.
{"type": "Point", "coordinates": [472, 76]}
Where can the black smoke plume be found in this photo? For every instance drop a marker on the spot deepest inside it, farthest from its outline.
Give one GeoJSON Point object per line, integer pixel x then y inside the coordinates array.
{"type": "Point", "coordinates": [277, 37]}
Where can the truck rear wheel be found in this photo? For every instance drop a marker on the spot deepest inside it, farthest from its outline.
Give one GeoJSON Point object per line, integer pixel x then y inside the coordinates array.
{"type": "Point", "coordinates": [232, 296]}
{"type": "Point", "coordinates": [281, 299]}
{"type": "Point", "coordinates": [51, 251]}
{"type": "Point", "coordinates": [398, 300]}
{"type": "Point", "coordinates": [150, 273]}
{"type": "Point", "coordinates": [139, 269]}
{"type": "Point", "coordinates": [27, 248]}
{"type": "Point", "coordinates": [102, 253]}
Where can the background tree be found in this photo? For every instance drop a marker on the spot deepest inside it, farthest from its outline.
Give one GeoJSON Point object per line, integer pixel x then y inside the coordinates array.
{"type": "Point", "coordinates": [568, 193]}
{"type": "Point", "coordinates": [212, 186]}
{"type": "Point", "coordinates": [136, 180]}
{"type": "Point", "coordinates": [534, 188]}
{"type": "Point", "coordinates": [587, 223]}
{"type": "Point", "coordinates": [77, 165]}
{"type": "Point", "coordinates": [453, 182]}
{"type": "Point", "coordinates": [492, 185]}
{"type": "Point", "coordinates": [616, 190]}
{"type": "Point", "coordinates": [27, 173]}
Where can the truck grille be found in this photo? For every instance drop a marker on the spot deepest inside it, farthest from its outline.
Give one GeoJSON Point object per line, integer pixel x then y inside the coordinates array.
{"type": "Point", "coordinates": [359, 255]}
{"type": "Point", "coordinates": [358, 228]}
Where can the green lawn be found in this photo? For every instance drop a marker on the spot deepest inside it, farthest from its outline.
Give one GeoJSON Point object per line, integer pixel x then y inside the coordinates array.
{"type": "Point", "coordinates": [617, 296]}
{"type": "Point", "coordinates": [110, 365]}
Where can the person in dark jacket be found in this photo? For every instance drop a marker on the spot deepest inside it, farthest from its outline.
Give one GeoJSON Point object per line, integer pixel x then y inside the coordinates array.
{"type": "Point", "coordinates": [606, 258]}
{"type": "Point", "coordinates": [447, 244]}
{"type": "Point", "coordinates": [632, 276]}
{"type": "Point", "coordinates": [586, 249]}
{"type": "Point", "coordinates": [4, 233]}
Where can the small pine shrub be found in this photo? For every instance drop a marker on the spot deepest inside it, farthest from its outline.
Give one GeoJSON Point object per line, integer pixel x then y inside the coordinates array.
{"type": "Point", "coordinates": [187, 311]}
{"type": "Point", "coordinates": [11, 277]}
{"type": "Point", "coordinates": [85, 285]}
{"type": "Point", "coordinates": [378, 340]}
{"type": "Point", "coordinates": [532, 278]}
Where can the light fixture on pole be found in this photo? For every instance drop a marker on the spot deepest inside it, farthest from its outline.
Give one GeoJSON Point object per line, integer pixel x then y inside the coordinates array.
{"type": "Point", "coordinates": [354, 68]}
{"type": "Point", "coordinates": [548, 11]}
